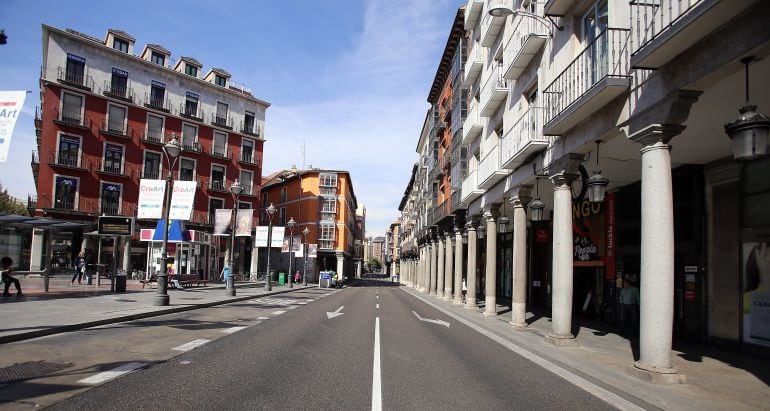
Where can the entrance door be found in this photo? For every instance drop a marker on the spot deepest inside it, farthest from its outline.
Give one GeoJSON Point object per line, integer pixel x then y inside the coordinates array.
{"type": "Point", "coordinates": [504, 265]}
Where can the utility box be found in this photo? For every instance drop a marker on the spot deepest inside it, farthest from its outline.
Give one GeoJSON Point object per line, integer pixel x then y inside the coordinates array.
{"type": "Point", "coordinates": [325, 279]}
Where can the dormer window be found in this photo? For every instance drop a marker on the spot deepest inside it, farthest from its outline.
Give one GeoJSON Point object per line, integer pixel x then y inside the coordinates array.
{"type": "Point", "coordinates": [158, 58]}
{"type": "Point", "coordinates": [120, 44]}
{"type": "Point", "coordinates": [220, 81]}
{"type": "Point", "coordinates": [191, 70]}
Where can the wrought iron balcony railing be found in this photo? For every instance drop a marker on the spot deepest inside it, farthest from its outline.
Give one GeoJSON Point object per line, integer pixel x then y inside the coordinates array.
{"type": "Point", "coordinates": [157, 103]}
{"type": "Point", "coordinates": [219, 151]}
{"type": "Point", "coordinates": [221, 121]}
{"type": "Point", "coordinates": [191, 112]}
{"type": "Point", "coordinates": [250, 128]}
{"type": "Point", "coordinates": [118, 91]}
{"type": "Point", "coordinates": [74, 78]}
{"type": "Point", "coordinates": [116, 128]}
{"type": "Point", "coordinates": [153, 136]}
{"type": "Point", "coordinates": [73, 118]}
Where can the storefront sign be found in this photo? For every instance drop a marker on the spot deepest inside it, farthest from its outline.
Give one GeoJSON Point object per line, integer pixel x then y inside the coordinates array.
{"type": "Point", "coordinates": [176, 231]}
{"type": "Point", "coordinates": [182, 198]}
{"type": "Point", "coordinates": [11, 103]}
{"type": "Point", "coordinates": [756, 286]}
{"type": "Point", "coordinates": [541, 235]}
{"type": "Point", "coordinates": [111, 225]}
{"type": "Point", "coordinates": [609, 255]}
{"type": "Point", "coordinates": [151, 195]}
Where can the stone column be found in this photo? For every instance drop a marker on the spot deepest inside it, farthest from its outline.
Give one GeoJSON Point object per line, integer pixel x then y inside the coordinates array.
{"type": "Point", "coordinates": [563, 173]}
{"type": "Point", "coordinates": [340, 266]}
{"type": "Point", "coordinates": [432, 260]}
{"type": "Point", "coordinates": [470, 296]}
{"type": "Point", "coordinates": [657, 256]}
{"type": "Point", "coordinates": [448, 267]}
{"type": "Point", "coordinates": [127, 256]}
{"type": "Point", "coordinates": [520, 197]}
{"type": "Point", "coordinates": [421, 270]}
{"type": "Point", "coordinates": [36, 255]}
{"type": "Point", "coordinates": [490, 290]}
{"type": "Point", "coordinates": [440, 260]}
{"type": "Point", "coordinates": [458, 264]}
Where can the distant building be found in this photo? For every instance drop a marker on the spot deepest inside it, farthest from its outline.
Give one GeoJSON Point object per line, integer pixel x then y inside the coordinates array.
{"type": "Point", "coordinates": [378, 249]}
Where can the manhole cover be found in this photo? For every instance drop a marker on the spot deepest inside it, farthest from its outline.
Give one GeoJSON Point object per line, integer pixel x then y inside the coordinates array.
{"type": "Point", "coordinates": [28, 370]}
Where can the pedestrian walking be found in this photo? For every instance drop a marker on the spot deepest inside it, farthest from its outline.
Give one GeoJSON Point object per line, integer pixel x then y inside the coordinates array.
{"type": "Point", "coordinates": [629, 307]}
{"type": "Point", "coordinates": [80, 266]}
{"type": "Point", "coordinates": [297, 277]}
{"type": "Point", "coordinates": [226, 273]}
{"type": "Point", "coordinates": [8, 279]}
{"type": "Point", "coordinates": [465, 290]}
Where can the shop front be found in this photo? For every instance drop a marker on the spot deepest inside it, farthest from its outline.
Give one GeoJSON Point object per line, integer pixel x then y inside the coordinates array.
{"type": "Point", "coordinates": [189, 251]}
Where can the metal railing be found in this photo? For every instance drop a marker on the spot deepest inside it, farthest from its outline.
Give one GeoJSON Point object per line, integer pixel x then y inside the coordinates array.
{"type": "Point", "coordinates": [35, 157]}
{"type": "Point", "coordinates": [494, 82]}
{"type": "Point", "coordinates": [604, 57]}
{"type": "Point", "coordinates": [217, 184]}
{"type": "Point", "coordinates": [110, 208]}
{"type": "Point", "coordinates": [72, 118]}
{"type": "Point", "coordinates": [152, 174]}
{"type": "Point", "coordinates": [64, 203]}
{"type": "Point", "coordinates": [116, 128]}
{"type": "Point", "coordinates": [470, 184]}
{"type": "Point", "coordinates": [118, 91]}
{"type": "Point", "coordinates": [221, 121]}
{"type": "Point", "coordinates": [195, 113]}
{"type": "Point", "coordinates": [490, 164]}
{"type": "Point", "coordinates": [110, 167]}
{"type": "Point", "coordinates": [526, 28]}
{"type": "Point", "coordinates": [191, 146]}
{"type": "Point", "coordinates": [219, 151]}
{"type": "Point", "coordinates": [650, 18]}
{"type": "Point", "coordinates": [153, 136]}
{"type": "Point", "coordinates": [157, 103]}
{"type": "Point", "coordinates": [68, 160]}
{"type": "Point", "coordinates": [76, 79]}
{"type": "Point", "coordinates": [250, 129]}
{"type": "Point", "coordinates": [528, 128]}
{"type": "Point", "coordinates": [247, 157]}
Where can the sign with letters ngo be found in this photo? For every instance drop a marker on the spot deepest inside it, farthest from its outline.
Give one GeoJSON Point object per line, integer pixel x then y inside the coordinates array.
{"type": "Point", "coordinates": [11, 103]}
{"type": "Point", "coordinates": [151, 194]}
{"type": "Point", "coordinates": [182, 198]}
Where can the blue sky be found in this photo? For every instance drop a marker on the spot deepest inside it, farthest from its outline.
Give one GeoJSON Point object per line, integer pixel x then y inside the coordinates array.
{"type": "Point", "coordinates": [349, 78]}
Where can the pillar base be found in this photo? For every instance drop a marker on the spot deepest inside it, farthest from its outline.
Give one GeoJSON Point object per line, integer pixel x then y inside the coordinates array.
{"type": "Point", "coordinates": [161, 300]}
{"type": "Point", "coordinates": [457, 302]}
{"type": "Point", "coordinates": [447, 297]}
{"type": "Point", "coordinates": [489, 313]}
{"type": "Point", "coordinates": [656, 375]}
{"type": "Point", "coordinates": [568, 340]}
{"type": "Point", "coordinates": [518, 326]}
{"type": "Point", "coordinates": [471, 307]}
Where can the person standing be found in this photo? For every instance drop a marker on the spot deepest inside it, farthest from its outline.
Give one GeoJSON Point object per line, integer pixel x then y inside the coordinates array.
{"type": "Point", "coordinates": [226, 273]}
{"type": "Point", "coordinates": [629, 306]}
{"type": "Point", "coordinates": [8, 279]}
{"type": "Point", "coordinates": [297, 277]}
{"type": "Point", "coordinates": [80, 265]}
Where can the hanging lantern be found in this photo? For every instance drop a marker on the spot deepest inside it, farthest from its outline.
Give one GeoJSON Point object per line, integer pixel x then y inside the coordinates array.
{"type": "Point", "coordinates": [502, 224]}
{"type": "Point", "coordinates": [536, 208]}
{"type": "Point", "coordinates": [749, 133]}
{"type": "Point", "coordinates": [597, 184]}
{"type": "Point", "coordinates": [480, 231]}
{"type": "Point", "coordinates": [500, 8]}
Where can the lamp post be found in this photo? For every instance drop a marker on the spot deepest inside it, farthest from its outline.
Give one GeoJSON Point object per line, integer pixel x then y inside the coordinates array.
{"type": "Point", "coordinates": [171, 151]}
{"type": "Point", "coordinates": [270, 212]}
{"type": "Point", "coordinates": [306, 231]}
{"type": "Point", "coordinates": [235, 190]}
{"type": "Point", "coordinates": [291, 224]}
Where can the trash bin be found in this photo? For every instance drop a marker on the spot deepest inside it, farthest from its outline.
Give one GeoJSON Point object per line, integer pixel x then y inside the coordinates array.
{"type": "Point", "coordinates": [120, 283]}
{"type": "Point", "coordinates": [281, 278]}
{"type": "Point", "coordinates": [325, 279]}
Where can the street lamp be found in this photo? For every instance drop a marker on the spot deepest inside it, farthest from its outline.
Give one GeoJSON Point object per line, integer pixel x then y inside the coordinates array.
{"type": "Point", "coordinates": [171, 151]}
{"type": "Point", "coordinates": [306, 231]}
{"type": "Point", "coordinates": [291, 224]}
{"type": "Point", "coordinates": [235, 190]}
{"type": "Point", "coordinates": [270, 212]}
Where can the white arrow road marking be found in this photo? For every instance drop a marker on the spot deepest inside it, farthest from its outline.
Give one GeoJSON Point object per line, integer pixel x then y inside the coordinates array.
{"type": "Point", "coordinates": [279, 312]}
{"type": "Point", "coordinates": [262, 318]}
{"type": "Point", "coordinates": [427, 320]}
{"type": "Point", "coordinates": [232, 330]}
{"type": "Point", "coordinates": [190, 345]}
{"type": "Point", "coordinates": [376, 374]}
{"type": "Point", "coordinates": [113, 373]}
{"type": "Point", "coordinates": [336, 313]}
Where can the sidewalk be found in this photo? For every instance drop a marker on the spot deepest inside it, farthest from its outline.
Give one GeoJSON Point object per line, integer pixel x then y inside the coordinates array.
{"type": "Point", "coordinates": [716, 378]}
{"type": "Point", "coordinates": [64, 309]}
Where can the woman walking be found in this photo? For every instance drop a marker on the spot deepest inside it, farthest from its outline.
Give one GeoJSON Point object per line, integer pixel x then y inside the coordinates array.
{"type": "Point", "coordinates": [80, 265]}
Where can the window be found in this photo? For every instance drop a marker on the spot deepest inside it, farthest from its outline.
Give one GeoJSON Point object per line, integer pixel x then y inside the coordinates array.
{"type": "Point", "coordinates": [158, 58]}
{"type": "Point", "coordinates": [220, 81]}
{"type": "Point", "coordinates": [244, 205]}
{"type": "Point", "coordinates": [110, 198]}
{"type": "Point", "coordinates": [329, 205]}
{"type": "Point", "coordinates": [284, 190]}
{"type": "Point", "coordinates": [116, 119]}
{"type": "Point", "coordinates": [69, 151]}
{"type": "Point", "coordinates": [221, 118]}
{"type": "Point", "coordinates": [595, 23]}
{"type": "Point", "coordinates": [191, 70]}
{"type": "Point", "coordinates": [155, 128]}
{"type": "Point", "coordinates": [264, 200]}
{"type": "Point", "coordinates": [282, 216]}
{"type": "Point", "coordinates": [119, 83]}
{"type": "Point", "coordinates": [189, 137]}
{"type": "Point", "coordinates": [151, 165]}
{"type": "Point", "coordinates": [214, 204]}
{"type": "Point", "coordinates": [76, 67]}
{"type": "Point", "coordinates": [191, 105]}
{"type": "Point", "coordinates": [328, 191]}
{"type": "Point", "coordinates": [72, 108]}
{"type": "Point", "coordinates": [246, 179]}
{"type": "Point", "coordinates": [218, 181]}
{"type": "Point", "coordinates": [248, 122]}
{"type": "Point", "coordinates": [120, 44]}
{"type": "Point", "coordinates": [220, 144]}
{"type": "Point", "coordinates": [326, 239]}
{"type": "Point", "coordinates": [65, 193]}
{"type": "Point", "coordinates": [113, 158]}
{"type": "Point", "coordinates": [247, 151]}
{"type": "Point", "coordinates": [187, 169]}
{"type": "Point", "coordinates": [327, 180]}
{"type": "Point", "coordinates": [157, 94]}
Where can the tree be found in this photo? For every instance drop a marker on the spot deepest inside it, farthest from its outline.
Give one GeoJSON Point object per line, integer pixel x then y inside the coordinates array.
{"type": "Point", "coordinates": [375, 264]}
{"type": "Point", "coordinates": [9, 205]}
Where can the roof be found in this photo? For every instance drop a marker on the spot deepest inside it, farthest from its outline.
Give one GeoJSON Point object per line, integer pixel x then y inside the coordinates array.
{"type": "Point", "coordinates": [158, 47]}
{"type": "Point", "coordinates": [19, 221]}
{"type": "Point", "coordinates": [191, 60]}
{"type": "Point", "coordinates": [445, 66]}
{"type": "Point", "coordinates": [221, 71]}
{"type": "Point", "coordinates": [121, 33]}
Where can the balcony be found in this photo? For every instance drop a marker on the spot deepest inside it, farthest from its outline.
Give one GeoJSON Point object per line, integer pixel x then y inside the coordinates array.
{"type": "Point", "coordinates": [472, 13]}
{"type": "Point", "coordinates": [473, 64]}
{"type": "Point", "coordinates": [490, 28]}
{"type": "Point", "coordinates": [249, 129]}
{"type": "Point", "coordinates": [490, 171]}
{"type": "Point", "coordinates": [590, 81]}
{"type": "Point", "coordinates": [116, 129]}
{"type": "Point", "coordinates": [219, 151]}
{"type": "Point", "coordinates": [191, 146]}
{"type": "Point", "coordinates": [557, 7]}
{"type": "Point", "coordinates": [191, 112]}
{"type": "Point", "coordinates": [470, 189]}
{"type": "Point", "coordinates": [247, 157]}
{"type": "Point", "coordinates": [325, 245]}
{"type": "Point", "coordinates": [118, 91]}
{"type": "Point", "coordinates": [111, 168]}
{"type": "Point", "coordinates": [217, 185]}
{"type": "Point", "coordinates": [221, 121]}
{"type": "Point", "coordinates": [108, 208]}
{"type": "Point", "coordinates": [157, 103]}
{"type": "Point", "coordinates": [153, 137]}
{"type": "Point", "coordinates": [494, 92]}
{"type": "Point", "coordinates": [75, 79]}
{"type": "Point", "coordinates": [528, 38]}
{"type": "Point", "coordinates": [151, 174]}
{"type": "Point", "coordinates": [665, 28]}
{"type": "Point", "coordinates": [68, 160]}
{"type": "Point", "coordinates": [473, 125]}
{"type": "Point", "coordinates": [523, 139]}
{"type": "Point", "coordinates": [72, 118]}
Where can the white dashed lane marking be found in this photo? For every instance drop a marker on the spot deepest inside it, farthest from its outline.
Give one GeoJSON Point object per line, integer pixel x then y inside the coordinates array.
{"type": "Point", "coordinates": [378, 306]}
{"type": "Point", "coordinates": [113, 373]}
{"type": "Point", "coordinates": [190, 345]}
{"type": "Point", "coordinates": [232, 330]}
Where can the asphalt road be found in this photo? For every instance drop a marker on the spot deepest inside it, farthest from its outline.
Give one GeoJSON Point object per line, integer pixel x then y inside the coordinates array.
{"type": "Point", "coordinates": [387, 350]}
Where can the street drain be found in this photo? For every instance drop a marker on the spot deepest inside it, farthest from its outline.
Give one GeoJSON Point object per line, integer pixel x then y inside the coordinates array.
{"type": "Point", "coordinates": [28, 370]}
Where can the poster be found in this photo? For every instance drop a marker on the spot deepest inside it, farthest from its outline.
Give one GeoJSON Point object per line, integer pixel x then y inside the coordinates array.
{"type": "Point", "coordinates": [244, 222]}
{"type": "Point", "coordinates": [151, 195]}
{"type": "Point", "coordinates": [277, 237]}
{"type": "Point", "coordinates": [312, 250]}
{"type": "Point", "coordinates": [11, 103]}
{"type": "Point", "coordinates": [222, 217]}
{"type": "Point", "coordinates": [182, 198]}
{"type": "Point", "coordinates": [756, 297]}
{"type": "Point", "coordinates": [260, 238]}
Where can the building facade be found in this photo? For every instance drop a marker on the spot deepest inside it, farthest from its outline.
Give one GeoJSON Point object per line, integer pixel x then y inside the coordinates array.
{"type": "Point", "coordinates": [107, 109]}
{"type": "Point", "coordinates": [324, 202]}
{"type": "Point", "coordinates": [640, 94]}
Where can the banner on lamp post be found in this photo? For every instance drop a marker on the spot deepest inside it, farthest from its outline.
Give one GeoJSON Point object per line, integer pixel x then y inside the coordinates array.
{"type": "Point", "coordinates": [312, 250]}
{"type": "Point", "coordinates": [260, 237]}
{"type": "Point", "coordinates": [222, 217]}
{"type": "Point", "coordinates": [151, 195]}
{"type": "Point", "coordinates": [182, 198]}
{"type": "Point", "coordinates": [243, 222]}
{"type": "Point", "coordinates": [276, 240]}
{"type": "Point", "coordinates": [11, 103]}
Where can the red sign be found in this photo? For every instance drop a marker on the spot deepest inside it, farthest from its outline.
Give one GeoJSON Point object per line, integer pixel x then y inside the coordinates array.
{"type": "Point", "coordinates": [609, 252]}
{"type": "Point", "coordinates": [689, 295]}
{"type": "Point", "coordinates": [541, 235]}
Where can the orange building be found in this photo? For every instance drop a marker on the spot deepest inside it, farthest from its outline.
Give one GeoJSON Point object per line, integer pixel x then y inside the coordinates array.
{"type": "Point", "coordinates": [324, 202]}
